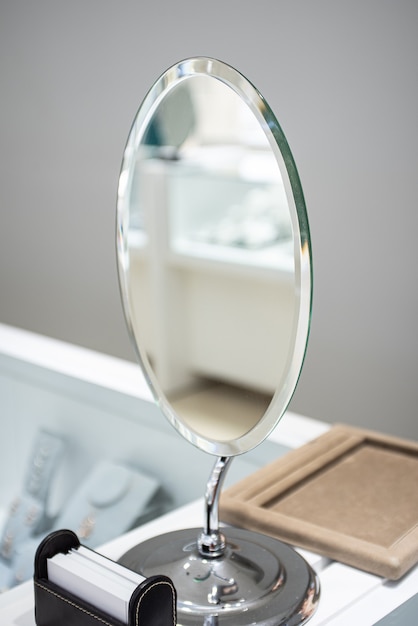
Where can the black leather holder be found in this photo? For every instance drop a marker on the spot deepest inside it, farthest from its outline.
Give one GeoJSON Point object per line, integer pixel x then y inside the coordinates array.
{"type": "Point", "coordinates": [153, 603]}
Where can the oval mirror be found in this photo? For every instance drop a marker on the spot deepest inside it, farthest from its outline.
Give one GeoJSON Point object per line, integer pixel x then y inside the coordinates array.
{"type": "Point", "coordinates": [214, 256]}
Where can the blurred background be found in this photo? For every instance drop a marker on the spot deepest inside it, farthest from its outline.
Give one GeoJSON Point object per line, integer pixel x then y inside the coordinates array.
{"type": "Point", "coordinates": [342, 81]}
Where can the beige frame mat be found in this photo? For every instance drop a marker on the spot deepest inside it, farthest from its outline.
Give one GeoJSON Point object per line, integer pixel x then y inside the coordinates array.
{"type": "Point", "coordinates": [351, 495]}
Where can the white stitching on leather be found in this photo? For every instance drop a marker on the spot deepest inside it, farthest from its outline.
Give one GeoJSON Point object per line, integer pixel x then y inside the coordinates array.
{"type": "Point", "coordinates": [57, 595]}
{"type": "Point", "coordinates": [161, 582]}
{"type": "Point", "coordinates": [99, 619]}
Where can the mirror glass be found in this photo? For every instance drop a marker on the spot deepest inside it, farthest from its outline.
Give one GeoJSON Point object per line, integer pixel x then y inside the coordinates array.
{"type": "Point", "coordinates": [214, 256]}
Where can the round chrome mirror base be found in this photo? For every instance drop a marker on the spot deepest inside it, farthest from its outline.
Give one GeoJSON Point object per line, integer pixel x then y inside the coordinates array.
{"type": "Point", "coordinates": [257, 580]}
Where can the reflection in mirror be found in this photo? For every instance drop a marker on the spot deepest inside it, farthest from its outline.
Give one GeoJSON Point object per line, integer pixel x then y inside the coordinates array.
{"type": "Point", "coordinates": [211, 283]}
{"type": "Point", "coordinates": [215, 274]}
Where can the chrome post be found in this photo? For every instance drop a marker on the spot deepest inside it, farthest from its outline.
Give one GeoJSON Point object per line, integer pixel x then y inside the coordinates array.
{"type": "Point", "coordinates": [211, 542]}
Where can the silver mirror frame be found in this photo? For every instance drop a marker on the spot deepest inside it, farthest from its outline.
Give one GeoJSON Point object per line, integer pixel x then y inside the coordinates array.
{"type": "Point", "coordinates": [180, 72]}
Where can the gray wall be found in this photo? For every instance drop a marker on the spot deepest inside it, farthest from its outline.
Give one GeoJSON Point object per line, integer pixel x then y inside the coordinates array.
{"type": "Point", "coordinates": [342, 79]}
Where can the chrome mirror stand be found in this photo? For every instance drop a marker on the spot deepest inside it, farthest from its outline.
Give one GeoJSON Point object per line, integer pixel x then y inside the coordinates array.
{"type": "Point", "coordinates": [235, 579]}
{"type": "Point", "coordinates": [211, 542]}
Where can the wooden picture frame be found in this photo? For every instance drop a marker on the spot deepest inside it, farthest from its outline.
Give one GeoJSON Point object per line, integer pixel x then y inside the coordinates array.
{"type": "Point", "coordinates": [351, 495]}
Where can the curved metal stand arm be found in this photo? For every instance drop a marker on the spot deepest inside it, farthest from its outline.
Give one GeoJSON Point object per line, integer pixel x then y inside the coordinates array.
{"type": "Point", "coordinates": [211, 542]}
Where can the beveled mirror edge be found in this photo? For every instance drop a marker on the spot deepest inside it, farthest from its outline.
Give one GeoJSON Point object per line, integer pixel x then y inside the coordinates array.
{"type": "Point", "coordinates": [302, 246]}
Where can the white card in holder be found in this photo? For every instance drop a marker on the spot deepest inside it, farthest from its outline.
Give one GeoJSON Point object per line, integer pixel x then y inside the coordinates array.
{"type": "Point", "coordinates": [76, 587]}
{"type": "Point", "coordinates": [95, 579]}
